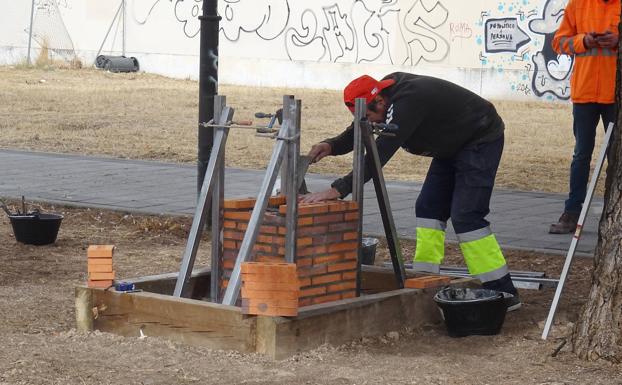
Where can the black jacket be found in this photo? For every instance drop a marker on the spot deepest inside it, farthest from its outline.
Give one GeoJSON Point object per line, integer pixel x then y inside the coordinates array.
{"type": "Point", "coordinates": [435, 118]}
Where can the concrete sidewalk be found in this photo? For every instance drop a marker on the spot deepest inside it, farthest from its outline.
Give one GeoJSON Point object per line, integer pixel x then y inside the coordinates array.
{"type": "Point", "coordinates": [519, 219]}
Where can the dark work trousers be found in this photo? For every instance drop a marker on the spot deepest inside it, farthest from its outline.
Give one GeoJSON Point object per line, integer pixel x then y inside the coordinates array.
{"type": "Point", "coordinates": [460, 188]}
{"type": "Point", "coordinates": [586, 117]}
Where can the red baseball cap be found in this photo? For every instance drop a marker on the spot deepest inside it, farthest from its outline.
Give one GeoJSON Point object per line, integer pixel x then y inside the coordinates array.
{"type": "Point", "coordinates": [364, 87]}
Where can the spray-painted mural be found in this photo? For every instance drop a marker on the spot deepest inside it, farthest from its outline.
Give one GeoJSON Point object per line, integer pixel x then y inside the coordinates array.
{"type": "Point", "coordinates": [496, 47]}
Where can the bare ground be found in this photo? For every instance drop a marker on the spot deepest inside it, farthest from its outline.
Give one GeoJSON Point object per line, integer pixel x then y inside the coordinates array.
{"type": "Point", "coordinates": [40, 345]}
{"type": "Point", "coordinates": [143, 116]}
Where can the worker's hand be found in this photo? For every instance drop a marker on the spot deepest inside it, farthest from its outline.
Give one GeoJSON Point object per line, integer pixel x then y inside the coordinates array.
{"type": "Point", "coordinates": [321, 196]}
{"type": "Point", "coordinates": [589, 40]}
{"type": "Point", "coordinates": [319, 151]}
{"type": "Point", "coordinates": [607, 40]}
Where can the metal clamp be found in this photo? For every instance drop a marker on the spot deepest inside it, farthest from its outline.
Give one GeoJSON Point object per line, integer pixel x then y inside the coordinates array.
{"type": "Point", "coordinates": [288, 139]}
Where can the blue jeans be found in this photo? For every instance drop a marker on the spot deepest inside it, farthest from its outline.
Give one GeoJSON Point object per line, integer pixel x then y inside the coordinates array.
{"type": "Point", "coordinates": [586, 117]}
{"type": "Point", "coordinates": [460, 188]}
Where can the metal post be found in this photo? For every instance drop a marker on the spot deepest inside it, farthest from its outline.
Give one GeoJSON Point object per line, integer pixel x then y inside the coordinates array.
{"type": "Point", "coordinates": [32, 16]}
{"type": "Point", "coordinates": [116, 15]}
{"type": "Point", "coordinates": [124, 26]}
{"type": "Point", "coordinates": [218, 197]}
{"type": "Point", "coordinates": [288, 105]}
{"type": "Point", "coordinates": [201, 212]}
{"type": "Point", "coordinates": [233, 287]}
{"type": "Point", "coordinates": [293, 155]}
{"type": "Point", "coordinates": [385, 207]}
{"type": "Point", "coordinates": [208, 83]}
{"type": "Point", "coordinates": [577, 234]}
{"type": "Point", "coordinates": [358, 179]}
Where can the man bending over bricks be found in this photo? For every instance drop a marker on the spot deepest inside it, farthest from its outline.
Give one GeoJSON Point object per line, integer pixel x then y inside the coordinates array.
{"type": "Point", "coordinates": [464, 136]}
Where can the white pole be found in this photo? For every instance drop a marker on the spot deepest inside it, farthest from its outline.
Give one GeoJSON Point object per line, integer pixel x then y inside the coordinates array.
{"type": "Point", "coordinates": [124, 26]}
{"type": "Point", "coordinates": [32, 15]}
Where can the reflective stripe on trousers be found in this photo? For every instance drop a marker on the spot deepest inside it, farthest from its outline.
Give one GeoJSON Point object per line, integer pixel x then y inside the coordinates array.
{"type": "Point", "coordinates": [483, 255]}
{"type": "Point", "coordinates": [430, 250]}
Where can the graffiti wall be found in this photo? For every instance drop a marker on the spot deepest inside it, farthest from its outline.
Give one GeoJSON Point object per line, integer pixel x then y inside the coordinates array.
{"type": "Point", "coordinates": [497, 48]}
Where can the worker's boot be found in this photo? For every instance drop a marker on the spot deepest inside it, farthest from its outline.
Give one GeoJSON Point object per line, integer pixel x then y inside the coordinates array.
{"type": "Point", "coordinates": [567, 223]}
{"type": "Point", "coordinates": [505, 285]}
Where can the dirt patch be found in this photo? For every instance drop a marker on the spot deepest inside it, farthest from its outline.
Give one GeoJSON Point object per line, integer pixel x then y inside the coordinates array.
{"type": "Point", "coordinates": [41, 346]}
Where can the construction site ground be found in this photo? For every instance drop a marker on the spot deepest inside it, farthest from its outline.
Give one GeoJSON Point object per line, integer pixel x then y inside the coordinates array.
{"type": "Point", "coordinates": [41, 346]}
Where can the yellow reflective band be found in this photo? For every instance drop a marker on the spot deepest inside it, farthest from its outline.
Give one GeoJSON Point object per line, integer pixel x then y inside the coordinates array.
{"type": "Point", "coordinates": [482, 255]}
{"type": "Point", "coordinates": [430, 246]}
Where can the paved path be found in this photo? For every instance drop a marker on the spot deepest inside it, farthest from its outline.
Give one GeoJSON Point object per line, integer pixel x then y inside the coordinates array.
{"type": "Point", "coordinates": [519, 219]}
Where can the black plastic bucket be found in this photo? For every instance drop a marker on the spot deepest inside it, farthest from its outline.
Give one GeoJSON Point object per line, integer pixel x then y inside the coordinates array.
{"type": "Point", "coordinates": [368, 246]}
{"type": "Point", "coordinates": [471, 311]}
{"type": "Point", "coordinates": [37, 229]}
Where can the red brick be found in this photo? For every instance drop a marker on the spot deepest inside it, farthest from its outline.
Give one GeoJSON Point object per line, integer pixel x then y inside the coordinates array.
{"type": "Point", "coordinates": [344, 246]}
{"type": "Point", "coordinates": [303, 282]}
{"type": "Point", "coordinates": [304, 301]}
{"type": "Point", "coordinates": [353, 216]}
{"type": "Point", "coordinates": [308, 209]}
{"type": "Point", "coordinates": [331, 218]}
{"type": "Point", "coordinates": [270, 286]}
{"type": "Point", "coordinates": [229, 244]}
{"type": "Point", "coordinates": [348, 275]}
{"type": "Point", "coordinates": [315, 230]}
{"type": "Point", "coordinates": [302, 242]}
{"type": "Point", "coordinates": [270, 258]}
{"type": "Point", "coordinates": [100, 251]}
{"type": "Point", "coordinates": [310, 251]}
{"type": "Point", "coordinates": [306, 221]}
{"type": "Point", "coordinates": [99, 268]}
{"type": "Point", "coordinates": [342, 286]}
{"type": "Point", "coordinates": [311, 271]}
{"type": "Point", "coordinates": [304, 261]}
{"type": "Point", "coordinates": [99, 261]}
{"type": "Point", "coordinates": [348, 294]}
{"type": "Point", "coordinates": [352, 235]}
{"type": "Point", "coordinates": [345, 226]}
{"type": "Point", "coordinates": [349, 255]}
{"type": "Point", "coordinates": [228, 264]}
{"type": "Point", "coordinates": [311, 291]}
{"type": "Point", "coordinates": [327, 238]}
{"type": "Point", "coordinates": [322, 279]}
{"type": "Point", "coordinates": [228, 234]}
{"type": "Point", "coordinates": [103, 284]}
{"type": "Point", "coordinates": [327, 258]}
{"type": "Point", "coordinates": [101, 276]}
{"type": "Point", "coordinates": [229, 224]}
{"type": "Point", "coordinates": [426, 282]}
{"type": "Point", "coordinates": [337, 206]}
{"type": "Point", "coordinates": [240, 215]}
{"type": "Point", "coordinates": [248, 203]}
{"type": "Point", "coordinates": [269, 294]}
{"type": "Point", "coordinates": [270, 230]}
{"type": "Point", "coordinates": [242, 226]}
{"type": "Point", "coordinates": [326, 298]}
{"type": "Point", "coordinates": [277, 200]}
{"type": "Point", "coordinates": [342, 266]}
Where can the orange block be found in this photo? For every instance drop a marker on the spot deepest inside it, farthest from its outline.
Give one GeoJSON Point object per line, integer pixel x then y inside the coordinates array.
{"type": "Point", "coordinates": [427, 282]}
{"type": "Point", "coordinates": [268, 267]}
{"type": "Point", "coordinates": [100, 268]}
{"type": "Point", "coordinates": [280, 303]}
{"type": "Point", "coordinates": [282, 308]}
{"type": "Point", "coordinates": [101, 276]}
{"type": "Point", "coordinates": [270, 294]}
{"type": "Point", "coordinates": [103, 284]}
{"type": "Point", "coordinates": [278, 286]}
{"type": "Point", "coordinates": [99, 261]}
{"type": "Point", "coordinates": [100, 251]}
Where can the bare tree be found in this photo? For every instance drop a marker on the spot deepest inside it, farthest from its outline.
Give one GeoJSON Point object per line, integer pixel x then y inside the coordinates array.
{"type": "Point", "coordinates": [598, 332]}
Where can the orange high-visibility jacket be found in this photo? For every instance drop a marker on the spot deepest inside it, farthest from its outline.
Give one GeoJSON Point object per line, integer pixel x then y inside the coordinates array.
{"type": "Point", "coordinates": [594, 75]}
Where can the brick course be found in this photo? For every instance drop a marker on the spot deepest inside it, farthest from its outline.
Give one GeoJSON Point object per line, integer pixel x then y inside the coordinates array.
{"type": "Point", "coordinates": [326, 245]}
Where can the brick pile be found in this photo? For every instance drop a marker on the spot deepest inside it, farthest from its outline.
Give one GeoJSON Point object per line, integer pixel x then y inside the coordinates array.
{"type": "Point", "coordinates": [269, 289]}
{"type": "Point", "coordinates": [100, 271]}
{"type": "Point", "coordinates": [326, 246]}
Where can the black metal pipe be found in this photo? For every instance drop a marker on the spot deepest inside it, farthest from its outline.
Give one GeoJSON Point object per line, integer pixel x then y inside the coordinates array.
{"type": "Point", "coordinates": [208, 83]}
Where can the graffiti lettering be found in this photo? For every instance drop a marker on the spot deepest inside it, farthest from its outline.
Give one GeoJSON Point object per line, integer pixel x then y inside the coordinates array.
{"type": "Point", "coordinates": [460, 31]}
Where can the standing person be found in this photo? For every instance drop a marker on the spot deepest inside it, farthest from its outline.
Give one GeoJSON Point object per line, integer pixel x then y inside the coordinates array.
{"type": "Point", "coordinates": [464, 135]}
{"type": "Point", "coordinates": [588, 32]}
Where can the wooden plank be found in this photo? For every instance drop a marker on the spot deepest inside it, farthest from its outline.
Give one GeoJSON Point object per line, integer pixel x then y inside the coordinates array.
{"type": "Point", "coordinates": [84, 309]}
{"type": "Point", "coordinates": [179, 319]}
{"type": "Point", "coordinates": [342, 321]}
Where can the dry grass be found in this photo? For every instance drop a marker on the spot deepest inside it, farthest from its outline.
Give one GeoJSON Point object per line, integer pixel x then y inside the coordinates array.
{"type": "Point", "coordinates": [143, 116]}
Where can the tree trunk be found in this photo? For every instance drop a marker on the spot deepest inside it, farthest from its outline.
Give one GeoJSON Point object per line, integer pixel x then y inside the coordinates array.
{"type": "Point", "coordinates": [598, 332]}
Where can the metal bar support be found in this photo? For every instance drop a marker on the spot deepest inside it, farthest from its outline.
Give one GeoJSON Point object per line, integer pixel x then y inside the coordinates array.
{"type": "Point", "coordinates": [358, 180]}
{"type": "Point", "coordinates": [293, 155]}
{"type": "Point", "coordinates": [124, 26]}
{"type": "Point", "coordinates": [385, 207]}
{"type": "Point", "coordinates": [218, 198]}
{"type": "Point", "coordinates": [200, 214]}
{"type": "Point", "coordinates": [278, 153]}
{"type": "Point", "coordinates": [116, 15]}
{"type": "Point", "coordinates": [577, 234]}
{"type": "Point", "coordinates": [288, 105]}
{"type": "Point", "coordinates": [32, 17]}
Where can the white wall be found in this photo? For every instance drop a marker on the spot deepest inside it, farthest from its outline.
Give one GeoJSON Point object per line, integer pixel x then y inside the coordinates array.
{"type": "Point", "coordinates": [498, 48]}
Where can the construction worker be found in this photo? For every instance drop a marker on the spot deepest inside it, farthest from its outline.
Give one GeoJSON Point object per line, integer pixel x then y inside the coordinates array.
{"type": "Point", "coordinates": [464, 135]}
{"type": "Point", "coordinates": [588, 32]}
